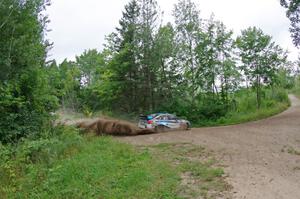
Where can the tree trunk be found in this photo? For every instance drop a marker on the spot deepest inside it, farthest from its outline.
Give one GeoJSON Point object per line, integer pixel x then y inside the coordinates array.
{"type": "Point", "coordinates": [258, 96]}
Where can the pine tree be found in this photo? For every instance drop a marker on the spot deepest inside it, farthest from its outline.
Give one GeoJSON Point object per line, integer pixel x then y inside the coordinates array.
{"type": "Point", "coordinates": [123, 67]}
{"type": "Point", "coordinates": [147, 28]}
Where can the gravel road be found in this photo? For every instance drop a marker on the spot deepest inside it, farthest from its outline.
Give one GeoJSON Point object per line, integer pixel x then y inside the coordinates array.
{"type": "Point", "coordinates": [262, 158]}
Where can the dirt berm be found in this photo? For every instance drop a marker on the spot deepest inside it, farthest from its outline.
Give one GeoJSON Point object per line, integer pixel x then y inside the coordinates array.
{"type": "Point", "coordinates": [112, 127]}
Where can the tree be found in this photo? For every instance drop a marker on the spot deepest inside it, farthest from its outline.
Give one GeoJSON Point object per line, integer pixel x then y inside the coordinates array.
{"type": "Point", "coordinates": [147, 27]}
{"type": "Point", "coordinates": [70, 83]}
{"type": "Point", "coordinates": [25, 99]}
{"type": "Point", "coordinates": [293, 13]}
{"type": "Point", "coordinates": [123, 70]}
{"type": "Point", "coordinates": [131, 68]}
{"type": "Point", "coordinates": [274, 62]}
{"type": "Point", "coordinates": [229, 75]}
{"type": "Point", "coordinates": [206, 54]}
{"type": "Point", "coordinates": [260, 58]}
{"type": "Point", "coordinates": [188, 28]}
{"type": "Point", "coordinates": [90, 64]}
{"type": "Point", "coordinates": [21, 43]}
{"type": "Point", "coordinates": [216, 66]}
{"type": "Point", "coordinates": [167, 70]}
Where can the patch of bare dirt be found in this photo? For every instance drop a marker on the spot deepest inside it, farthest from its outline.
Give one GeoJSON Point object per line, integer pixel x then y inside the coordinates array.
{"type": "Point", "coordinates": [200, 173]}
{"type": "Point", "coordinates": [253, 154]}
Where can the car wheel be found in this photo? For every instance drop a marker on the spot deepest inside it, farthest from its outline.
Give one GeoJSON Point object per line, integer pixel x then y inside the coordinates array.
{"type": "Point", "coordinates": [188, 126]}
{"type": "Point", "coordinates": [160, 128]}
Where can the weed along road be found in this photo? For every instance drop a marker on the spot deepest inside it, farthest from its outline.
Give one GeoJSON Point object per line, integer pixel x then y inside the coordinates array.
{"type": "Point", "coordinates": [261, 159]}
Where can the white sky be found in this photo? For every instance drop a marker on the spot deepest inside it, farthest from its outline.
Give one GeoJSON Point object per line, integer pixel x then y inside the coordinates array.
{"type": "Point", "coordinates": [77, 25]}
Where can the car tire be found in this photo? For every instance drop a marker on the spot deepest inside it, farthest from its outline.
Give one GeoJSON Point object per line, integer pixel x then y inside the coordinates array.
{"type": "Point", "coordinates": [188, 126]}
{"type": "Point", "coordinates": [160, 128]}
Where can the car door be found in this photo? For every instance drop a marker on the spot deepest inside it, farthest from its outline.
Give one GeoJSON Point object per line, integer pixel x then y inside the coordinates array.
{"type": "Point", "coordinates": [173, 122]}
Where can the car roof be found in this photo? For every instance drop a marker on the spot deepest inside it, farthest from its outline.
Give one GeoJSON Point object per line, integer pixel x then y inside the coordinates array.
{"type": "Point", "coordinates": [159, 114]}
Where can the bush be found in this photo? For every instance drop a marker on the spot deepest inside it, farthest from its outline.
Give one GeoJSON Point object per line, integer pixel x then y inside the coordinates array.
{"type": "Point", "coordinates": [24, 114]}
{"type": "Point", "coordinates": [51, 146]}
{"type": "Point", "coordinates": [205, 109]}
{"type": "Point", "coordinates": [27, 157]}
{"type": "Point", "coordinates": [281, 95]}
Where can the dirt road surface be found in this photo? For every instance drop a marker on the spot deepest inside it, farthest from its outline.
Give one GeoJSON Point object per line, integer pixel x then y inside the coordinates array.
{"type": "Point", "coordinates": [261, 158]}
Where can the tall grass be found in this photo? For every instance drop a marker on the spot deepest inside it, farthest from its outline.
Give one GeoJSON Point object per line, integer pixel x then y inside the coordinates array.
{"type": "Point", "coordinates": [245, 107]}
{"type": "Point", "coordinates": [70, 166]}
{"type": "Point", "coordinates": [64, 164]}
{"type": "Point", "coordinates": [296, 89]}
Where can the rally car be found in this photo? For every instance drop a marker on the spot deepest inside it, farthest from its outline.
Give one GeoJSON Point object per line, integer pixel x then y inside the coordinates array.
{"type": "Point", "coordinates": [163, 122]}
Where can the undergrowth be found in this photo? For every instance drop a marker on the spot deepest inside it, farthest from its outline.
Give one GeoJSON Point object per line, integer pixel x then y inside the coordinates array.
{"type": "Point", "coordinates": [64, 164]}
{"type": "Point", "coordinates": [246, 110]}
{"type": "Point", "coordinates": [68, 165]}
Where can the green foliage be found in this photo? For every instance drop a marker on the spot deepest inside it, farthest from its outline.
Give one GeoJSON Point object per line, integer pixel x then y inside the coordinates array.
{"type": "Point", "coordinates": [241, 107]}
{"type": "Point", "coordinates": [29, 159]}
{"type": "Point", "coordinates": [296, 88]}
{"type": "Point", "coordinates": [191, 68]}
{"type": "Point", "coordinates": [25, 107]}
{"type": "Point", "coordinates": [25, 99]}
{"type": "Point", "coordinates": [261, 59]}
{"type": "Point", "coordinates": [245, 110]}
{"type": "Point", "coordinates": [87, 111]}
{"type": "Point", "coordinates": [64, 164]}
{"type": "Point", "coordinates": [67, 165]}
{"type": "Point", "coordinates": [293, 12]}
{"type": "Point", "coordinates": [188, 29]}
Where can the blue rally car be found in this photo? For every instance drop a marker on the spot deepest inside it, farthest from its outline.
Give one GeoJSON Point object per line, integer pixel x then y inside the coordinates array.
{"type": "Point", "coordinates": [163, 122]}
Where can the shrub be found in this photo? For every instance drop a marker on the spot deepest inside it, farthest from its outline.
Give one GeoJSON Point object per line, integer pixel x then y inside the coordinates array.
{"type": "Point", "coordinates": [28, 157]}
{"type": "Point", "coordinates": [23, 115]}
{"type": "Point", "coordinates": [281, 95]}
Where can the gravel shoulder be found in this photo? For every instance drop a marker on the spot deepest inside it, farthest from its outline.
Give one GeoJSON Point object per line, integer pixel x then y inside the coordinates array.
{"type": "Point", "coordinates": [262, 158]}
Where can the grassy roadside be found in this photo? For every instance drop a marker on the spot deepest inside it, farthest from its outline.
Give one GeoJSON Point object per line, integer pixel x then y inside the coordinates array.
{"type": "Point", "coordinates": [201, 177]}
{"type": "Point", "coordinates": [297, 93]}
{"type": "Point", "coordinates": [71, 166]}
{"type": "Point", "coordinates": [296, 89]}
{"type": "Point", "coordinates": [246, 108]}
{"type": "Point", "coordinates": [242, 117]}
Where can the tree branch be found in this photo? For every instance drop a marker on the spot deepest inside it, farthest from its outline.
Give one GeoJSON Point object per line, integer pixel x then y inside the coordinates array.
{"type": "Point", "coordinates": [5, 21]}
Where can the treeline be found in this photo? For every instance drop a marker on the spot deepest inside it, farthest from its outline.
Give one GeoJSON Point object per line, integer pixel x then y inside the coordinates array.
{"type": "Point", "coordinates": [192, 67]}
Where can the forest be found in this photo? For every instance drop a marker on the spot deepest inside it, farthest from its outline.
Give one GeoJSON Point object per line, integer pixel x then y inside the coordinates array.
{"type": "Point", "coordinates": [193, 67]}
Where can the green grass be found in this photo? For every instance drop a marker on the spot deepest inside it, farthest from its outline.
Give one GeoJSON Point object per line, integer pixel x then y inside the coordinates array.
{"type": "Point", "coordinates": [242, 117]}
{"type": "Point", "coordinates": [102, 168]}
{"type": "Point", "coordinates": [291, 150]}
{"type": "Point", "coordinates": [246, 108]}
{"type": "Point", "coordinates": [201, 176]}
{"type": "Point", "coordinates": [296, 89]}
{"type": "Point", "coordinates": [67, 165]}
{"type": "Point", "coordinates": [296, 92]}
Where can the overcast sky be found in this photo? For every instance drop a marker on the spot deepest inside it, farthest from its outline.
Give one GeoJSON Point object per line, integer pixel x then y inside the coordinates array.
{"type": "Point", "coordinates": [77, 25]}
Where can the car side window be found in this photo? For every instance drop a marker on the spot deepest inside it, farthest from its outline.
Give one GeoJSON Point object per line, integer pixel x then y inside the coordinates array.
{"type": "Point", "coordinates": [160, 118]}
{"type": "Point", "coordinates": [172, 117]}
